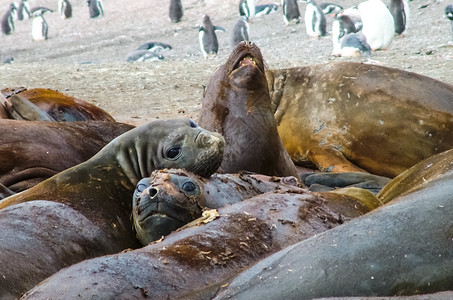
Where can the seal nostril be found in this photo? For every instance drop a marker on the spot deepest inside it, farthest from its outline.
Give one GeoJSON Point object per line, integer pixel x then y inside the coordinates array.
{"type": "Point", "coordinates": [152, 192]}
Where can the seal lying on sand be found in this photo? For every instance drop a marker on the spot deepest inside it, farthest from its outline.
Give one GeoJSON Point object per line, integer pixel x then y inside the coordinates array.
{"type": "Point", "coordinates": [193, 263]}
{"type": "Point", "coordinates": [31, 152]}
{"type": "Point", "coordinates": [237, 105]}
{"type": "Point", "coordinates": [401, 248]}
{"type": "Point", "coordinates": [99, 192]}
{"type": "Point", "coordinates": [352, 117]}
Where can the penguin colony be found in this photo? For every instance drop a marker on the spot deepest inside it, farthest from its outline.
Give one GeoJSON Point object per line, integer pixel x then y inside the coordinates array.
{"type": "Point", "coordinates": [359, 30]}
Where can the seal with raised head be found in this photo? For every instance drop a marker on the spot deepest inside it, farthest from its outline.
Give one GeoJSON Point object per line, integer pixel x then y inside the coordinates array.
{"type": "Point", "coordinates": [349, 116]}
{"type": "Point", "coordinates": [99, 191]}
{"type": "Point", "coordinates": [237, 105]}
{"type": "Point", "coordinates": [195, 262]}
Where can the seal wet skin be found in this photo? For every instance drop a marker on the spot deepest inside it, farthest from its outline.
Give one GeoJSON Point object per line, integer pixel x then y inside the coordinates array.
{"type": "Point", "coordinates": [172, 198]}
{"type": "Point", "coordinates": [237, 105]}
{"type": "Point", "coordinates": [98, 190]}
{"type": "Point", "coordinates": [353, 117]}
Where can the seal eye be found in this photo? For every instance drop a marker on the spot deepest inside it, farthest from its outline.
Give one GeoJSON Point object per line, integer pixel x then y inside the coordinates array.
{"type": "Point", "coordinates": [189, 187]}
{"type": "Point", "coordinates": [192, 124]}
{"type": "Point", "coordinates": [174, 152]}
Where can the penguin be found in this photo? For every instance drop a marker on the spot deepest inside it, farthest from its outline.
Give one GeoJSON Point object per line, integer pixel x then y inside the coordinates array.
{"type": "Point", "coordinates": [354, 45]}
{"type": "Point", "coordinates": [154, 46]}
{"type": "Point", "coordinates": [23, 11]}
{"type": "Point", "coordinates": [330, 8]}
{"type": "Point", "coordinates": [315, 20]}
{"type": "Point", "coordinates": [39, 28]}
{"type": "Point", "coordinates": [176, 11]}
{"type": "Point", "coordinates": [265, 9]}
{"type": "Point", "coordinates": [341, 26]}
{"type": "Point", "coordinates": [8, 19]}
{"type": "Point", "coordinates": [240, 31]}
{"type": "Point", "coordinates": [144, 55]}
{"type": "Point", "coordinates": [290, 11]}
{"type": "Point", "coordinates": [400, 12]}
{"type": "Point", "coordinates": [378, 24]}
{"type": "Point", "coordinates": [247, 9]}
{"type": "Point", "coordinates": [8, 60]}
{"type": "Point", "coordinates": [95, 8]}
{"type": "Point", "coordinates": [209, 45]}
{"type": "Point", "coordinates": [449, 14]}
{"type": "Point", "coordinates": [354, 14]}
{"type": "Point", "coordinates": [65, 9]}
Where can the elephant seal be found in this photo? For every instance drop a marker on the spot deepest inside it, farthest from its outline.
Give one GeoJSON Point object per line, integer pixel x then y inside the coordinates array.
{"type": "Point", "coordinates": [237, 105]}
{"type": "Point", "coordinates": [401, 248]}
{"type": "Point", "coordinates": [170, 199]}
{"type": "Point", "coordinates": [194, 262]}
{"type": "Point", "coordinates": [353, 117]}
{"type": "Point", "coordinates": [31, 152]}
{"type": "Point", "coordinates": [100, 191]}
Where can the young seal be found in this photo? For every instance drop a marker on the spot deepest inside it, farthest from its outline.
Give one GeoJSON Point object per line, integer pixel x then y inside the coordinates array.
{"type": "Point", "coordinates": [349, 117]}
{"type": "Point", "coordinates": [99, 191]}
{"type": "Point", "coordinates": [194, 262]}
{"type": "Point", "coordinates": [237, 105]}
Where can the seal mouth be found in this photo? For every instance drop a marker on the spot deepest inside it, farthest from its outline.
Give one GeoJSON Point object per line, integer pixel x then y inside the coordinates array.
{"type": "Point", "coordinates": [248, 55]}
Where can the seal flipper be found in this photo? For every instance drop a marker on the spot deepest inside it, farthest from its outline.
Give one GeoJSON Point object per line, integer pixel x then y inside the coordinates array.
{"type": "Point", "coordinates": [331, 160]}
{"type": "Point", "coordinates": [21, 108]}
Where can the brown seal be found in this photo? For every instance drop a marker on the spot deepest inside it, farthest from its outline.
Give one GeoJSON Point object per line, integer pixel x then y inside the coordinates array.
{"type": "Point", "coordinates": [352, 116]}
{"type": "Point", "coordinates": [237, 105]}
{"type": "Point", "coordinates": [98, 191]}
{"type": "Point", "coordinates": [31, 152]}
{"type": "Point", "coordinates": [195, 262]}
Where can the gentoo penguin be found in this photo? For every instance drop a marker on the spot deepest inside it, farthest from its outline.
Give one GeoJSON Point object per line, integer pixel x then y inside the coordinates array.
{"type": "Point", "coordinates": [315, 20]}
{"type": "Point", "coordinates": [8, 19]}
{"type": "Point", "coordinates": [330, 8]}
{"type": "Point", "coordinates": [65, 9]}
{"type": "Point", "coordinates": [154, 46]}
{"type": "Point", "coordinates": [8, 60]}
{"type": "Point", "coordinates": [23, 11]}
{"type": "Point", "coordinates": [209, 45]}
{"type": "Point", "coordinates": [240, 31]}
{"type": "Point", "coordinates": [144, 55]}
{"type": "Point", "coordinates": [378, 24]}
{"type": "Point", "coordinates": [265, 9]}
{"type": "Point", "coordinates": [400, 12]}
{"type": "Point", "coordinates": [341, 26]}
{"type": "Point", "coordinates": [176, 11]}
{"type": "Point", "coordinates": [290, 11]}
{"type": "Point", "coordinates": [449, 14]}
{"type": "Point", "coordinates": [247, 9]}
{"type": "Point", "coordinates": [355, 44]}
{"type": "Point", "coordinates": [39, 28]}
{"type": "Point", "coordinates": [353, 13]}
{"type": "Point", "coordinates": [95, 8]}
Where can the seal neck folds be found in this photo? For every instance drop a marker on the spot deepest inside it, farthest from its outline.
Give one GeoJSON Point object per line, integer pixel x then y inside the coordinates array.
{"type": "Point", "coordinates": [245, 66]}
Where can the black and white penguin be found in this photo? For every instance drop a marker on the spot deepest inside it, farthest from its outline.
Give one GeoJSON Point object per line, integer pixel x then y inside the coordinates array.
{"type": "Point", "coordinates": [176, 11]}
{"type": "Point", "coordinates": [354, 14]}
{"type": "Point", "coordinates": [240, 31]}
{"type": "Point", "coordinates": [291, 12]}
{"type": "Point", "coordinates": [154, 46]}
{"type": "Point", "coordinates": [354, 45]}
{"type": "Point", "coordinates": [65, 9]}
{"type": "Point", "coordinates": [23, 10]}
{"type": "Point", "coordinates": [95, 8]}
{"type": "Point", "coordinates": [400, 12]}
{"type": "Point", "coordinates": [8, 60]}
{"type": "Point", "coordinates": [378, 24]}
{"type": "Point", "coordinates": [330, 8]}
{"type": "Point", "coordinates": [209, 45]}
{"type": "Point", "coordinates": [8, 19]}
{"type": "Point", "coordinates": [449, 14]}
{"type": "Point", "coordinates": [144, 55]}
{"type": "Point", "coordinates": [39, 28]}
{"type": "Point", "coordinates": [342, 25]}
{"type": "Point", "coordinates": [247, 9]}
{"type": "Point", "coordinates": [315, 20]}
{"type": "Point", "coordinates": [265, 9]}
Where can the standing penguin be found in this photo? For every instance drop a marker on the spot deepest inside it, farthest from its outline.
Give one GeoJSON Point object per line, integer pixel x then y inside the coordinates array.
{"type": "Point", "coordinates": [315, 20]}
{"type": "Point", "coordinates": [247, 9]}
{"type": "Point", "coordinates": [400, 12]}
{"type": "Point", "coordinates": [449, 14]}
{"type": "Point", "coordinates": [23, 11]}
{"type": "Point", "coordinates": [95, 8]}
{"type": "Point", "coordinates": [378, 24]}
{"type": "Point", "coordinates": [209, 45]}
{"type": "Point", "coordinates": [290, 11]}
{"type": "Point", "coordinates": [39, 28]}
{"type": "Point", "coordinates": [240, 31]}
{"type": "Point", "coordinates": [65, 9]}
{"type": "Point", "coordinates": [8, 19]}
{"type": "Point", "coordinates": [176, 11]}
